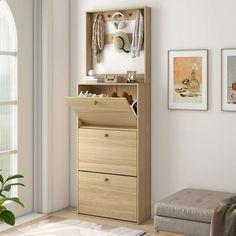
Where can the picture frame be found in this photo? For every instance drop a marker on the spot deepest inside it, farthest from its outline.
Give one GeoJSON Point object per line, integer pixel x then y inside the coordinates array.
{"type": "Point", "coordinates": [188, 79]}
{"type": "Point", "coordinates": [131, 76]}
{"type": "Point", "coordinates": [228, 79]}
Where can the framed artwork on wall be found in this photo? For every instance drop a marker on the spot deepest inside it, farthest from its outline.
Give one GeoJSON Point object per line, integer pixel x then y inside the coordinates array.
{"type": "Point", "coordinates": [131, 76]}
{"type": "Point", "coordinates": [228, 70]}
{"type": "Point", "coordinates": [188, 79]}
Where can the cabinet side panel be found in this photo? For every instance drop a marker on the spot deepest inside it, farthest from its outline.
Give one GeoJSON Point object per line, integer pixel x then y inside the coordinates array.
{"type": "Point", "coordinates": [147, 44]}
{"type": "Point", "coordinates": [144, 153]}
{"type": "Point", "coordinates": [89, 51]}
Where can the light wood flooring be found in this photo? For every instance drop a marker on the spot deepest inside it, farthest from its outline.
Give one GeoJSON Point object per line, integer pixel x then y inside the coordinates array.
{"type": "Point", "coordinates": [71, 213]}
{"type": "Point", "coordinates": [147, 226]}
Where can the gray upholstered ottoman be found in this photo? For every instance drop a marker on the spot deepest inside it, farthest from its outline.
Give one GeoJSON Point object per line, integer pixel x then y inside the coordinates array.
{"type": "Point", "coordinates": [187, 212]}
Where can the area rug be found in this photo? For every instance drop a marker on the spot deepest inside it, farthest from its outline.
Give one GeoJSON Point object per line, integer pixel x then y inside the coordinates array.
{"type": "Point", "coordinates": [67, 227]}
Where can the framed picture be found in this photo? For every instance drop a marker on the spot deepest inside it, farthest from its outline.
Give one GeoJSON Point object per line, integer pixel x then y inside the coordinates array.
{"type": "Point", "coordinates": [188, 79]}
{"type": "Point", "coordinates": [228, 97]}
{"type": "Point", "coordinates": [131, 76]}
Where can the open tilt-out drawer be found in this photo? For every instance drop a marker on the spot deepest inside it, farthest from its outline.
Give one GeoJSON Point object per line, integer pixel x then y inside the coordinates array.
{"type": "Point", "coordinates": [103, 111]}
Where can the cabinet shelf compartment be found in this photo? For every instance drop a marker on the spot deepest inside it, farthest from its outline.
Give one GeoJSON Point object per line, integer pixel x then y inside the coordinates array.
{"type": "Point", "coordinates": [114, 112]}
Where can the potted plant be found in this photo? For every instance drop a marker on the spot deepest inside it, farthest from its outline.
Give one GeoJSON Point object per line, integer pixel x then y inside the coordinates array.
{"type": "Point", "coordinates": [6, 216]}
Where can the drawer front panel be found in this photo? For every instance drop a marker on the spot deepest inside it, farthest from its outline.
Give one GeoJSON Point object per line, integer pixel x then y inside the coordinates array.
{"type": "Point", "coordinates": [91, 111]}
{"type": "Point", "coordinates": [107, 195]}
{"type": "Point", "coordinates": [108, 151]}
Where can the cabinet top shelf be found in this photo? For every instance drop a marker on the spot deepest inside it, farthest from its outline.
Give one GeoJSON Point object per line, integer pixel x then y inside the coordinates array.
{"type": "Point", "coordinates": [118, 9]}
{"type": "Point", "coordinates": [111, 84]}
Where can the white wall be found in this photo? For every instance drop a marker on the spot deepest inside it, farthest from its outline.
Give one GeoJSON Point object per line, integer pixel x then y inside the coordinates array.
{"type": "Point", "coordinates": [55, 124]}
{"type": "Point", "coordinates": [60, 108]}
{"type": "Point", "coordinates": [189, 148]}
{"type": "Point", "coordinates": [110, 56]}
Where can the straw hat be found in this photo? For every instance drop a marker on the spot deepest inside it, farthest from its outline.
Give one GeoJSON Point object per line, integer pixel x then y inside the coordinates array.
{"type": "Point", "coordinates": [121, 42]}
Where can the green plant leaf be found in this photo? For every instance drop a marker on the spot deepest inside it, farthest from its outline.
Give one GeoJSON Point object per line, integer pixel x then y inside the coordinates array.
{"type": "Point", "coordinates": [7, 188]}
{"type": "Point", "coordinates": [2, 200]}
{"type": "Point", "coordinates": [2, 208]}
{"type": "Point", "coordinates": [7, 217]}
{"type": "Point", "coordinates": [1, 179]}
{"type": "Point", "coordinates": [14, 199]}
{"type": "Point", "coordinates": [18, 176]}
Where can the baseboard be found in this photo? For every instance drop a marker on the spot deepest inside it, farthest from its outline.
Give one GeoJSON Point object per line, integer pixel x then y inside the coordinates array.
{"type": "Point", "coordinates": [161, 233]}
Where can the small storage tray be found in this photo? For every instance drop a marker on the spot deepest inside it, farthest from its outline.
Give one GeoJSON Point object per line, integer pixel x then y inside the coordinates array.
{"type": "Point", "coordinates": [103, 111]}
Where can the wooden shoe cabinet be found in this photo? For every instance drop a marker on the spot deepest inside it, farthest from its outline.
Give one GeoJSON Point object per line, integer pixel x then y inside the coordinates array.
{"type": "Point", "coordinates": [114, 145]}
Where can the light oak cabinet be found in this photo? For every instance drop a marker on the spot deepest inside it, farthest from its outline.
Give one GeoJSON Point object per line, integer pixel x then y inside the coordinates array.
{"type": "Point", "coordinates": [114, 160]}
{"type": "Point", "coordinates": [114, 143]}
{"type": "Point", "coordinates": [108, 195]}
{"type": "Point", "coordinates": [107, 151]}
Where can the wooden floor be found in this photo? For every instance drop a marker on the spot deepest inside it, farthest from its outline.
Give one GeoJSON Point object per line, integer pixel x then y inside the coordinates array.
{"type": "Point", "coordinates": [71, 213]}
{"type": "Point", "coordinates": [147, 226]}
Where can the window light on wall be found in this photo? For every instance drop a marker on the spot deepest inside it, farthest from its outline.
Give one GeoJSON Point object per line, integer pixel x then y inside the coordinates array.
{"type": "Point", "coordinates": [8, 91]}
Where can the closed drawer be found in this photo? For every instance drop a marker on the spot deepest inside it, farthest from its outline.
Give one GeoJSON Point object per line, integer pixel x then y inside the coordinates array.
{"type": "Point", "coordinates": [107, 195]}
{"type": "Point", "coordinates": [108, 151]}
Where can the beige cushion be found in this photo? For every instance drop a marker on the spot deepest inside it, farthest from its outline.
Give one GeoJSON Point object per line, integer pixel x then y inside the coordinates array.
{"type": "Point", "coordinates": [190, 204]}
{"type": "Point", "coordinates": [185, 227]}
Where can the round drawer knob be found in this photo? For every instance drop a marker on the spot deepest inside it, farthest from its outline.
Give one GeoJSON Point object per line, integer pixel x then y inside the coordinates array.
{"type": "Point", "coordinates": [106, 135]}
{"type": "Point", "coordinates": [106, 180]}
{"type": "Point", "coordinates": [95, 102]}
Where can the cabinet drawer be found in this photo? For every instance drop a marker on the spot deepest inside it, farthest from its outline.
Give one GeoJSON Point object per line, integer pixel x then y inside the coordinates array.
{"type": "Point", "coordinates": [107, 195]}
{"type": "Point", "coordinates": [103, 111]}
{"type": "Point", "coordinates": [108, 151]}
